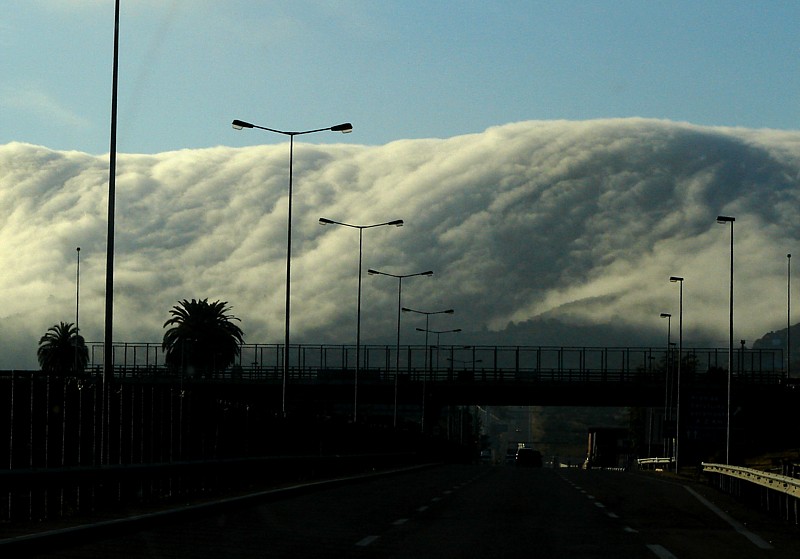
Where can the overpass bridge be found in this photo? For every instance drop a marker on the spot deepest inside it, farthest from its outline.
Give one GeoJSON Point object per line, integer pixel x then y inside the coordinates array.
{"type": "Point", "coordinates": [460, 375]}
{"type": "Point", "coordinates": [76, 442]}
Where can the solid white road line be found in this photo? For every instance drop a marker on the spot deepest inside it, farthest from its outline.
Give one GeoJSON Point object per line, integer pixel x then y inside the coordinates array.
{"type": "Point", "coordinates": [660, 551]}
{"type": "Point", "coordinates": [758, 541]}
{"type": "Point", "coordinates": [366, 541]}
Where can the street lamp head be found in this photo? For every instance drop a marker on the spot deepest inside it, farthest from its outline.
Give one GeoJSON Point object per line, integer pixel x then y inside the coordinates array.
{"type": "Point", "coordinates": [665, 315]}
{"type": "Point", "coordinates": [448, 311]}
{"type": "Point", "coordinates": [345, 128]}
{"type": "Point", "coordinates": [325, 221]}
{"type": "Point", "coordinates": [374, 272]}
{"type": "Point", "coordinates": [396, 222]}
{"type": "Point", "coordinates": [673, 279]}
{"type": "Point", "coordinates": [725, 219]}
{"type": "Point", "coordinates": [239, 124]}
{"type": "Point", "coordinates": [428, 273]}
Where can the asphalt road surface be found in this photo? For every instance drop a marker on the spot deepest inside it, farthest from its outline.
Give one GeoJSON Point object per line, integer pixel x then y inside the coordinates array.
{"type": "Point", "coordinates": [473, 512]}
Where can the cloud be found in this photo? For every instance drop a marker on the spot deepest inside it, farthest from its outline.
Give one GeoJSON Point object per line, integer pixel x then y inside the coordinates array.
{"type": "Point", "coordinates": [29, 98]}
{"type": "Point", "coordinates": [539, 233]}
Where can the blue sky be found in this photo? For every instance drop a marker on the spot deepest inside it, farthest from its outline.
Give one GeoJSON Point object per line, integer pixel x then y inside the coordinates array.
{"type": "Point", "coordinates": [396, 70]}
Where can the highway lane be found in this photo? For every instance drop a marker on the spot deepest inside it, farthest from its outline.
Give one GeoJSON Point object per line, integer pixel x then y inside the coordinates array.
{"type": "Point", "coordinates": [472, 511]}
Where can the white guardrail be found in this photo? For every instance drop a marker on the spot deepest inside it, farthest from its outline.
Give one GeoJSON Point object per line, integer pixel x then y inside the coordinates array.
{"type": "Point", "coordinates": [654, 461]}
{"type": "Point", "coordinates": [777, 482]}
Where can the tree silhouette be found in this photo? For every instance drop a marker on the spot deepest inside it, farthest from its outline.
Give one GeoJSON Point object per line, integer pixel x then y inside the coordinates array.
{"type": "Point", "coordinates": [203, 337]}
{"type": "Point", "coordinates": [62, 350]}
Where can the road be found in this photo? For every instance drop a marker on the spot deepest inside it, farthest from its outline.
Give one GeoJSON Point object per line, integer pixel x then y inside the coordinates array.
{"type": "Point", "coordinates": [473, 511]}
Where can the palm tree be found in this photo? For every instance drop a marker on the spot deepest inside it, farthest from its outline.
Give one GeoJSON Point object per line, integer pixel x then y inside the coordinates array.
{"type": "Point", "coordinates": [62, 350]}
{"type": "Point", "coordinates": [202, 337]}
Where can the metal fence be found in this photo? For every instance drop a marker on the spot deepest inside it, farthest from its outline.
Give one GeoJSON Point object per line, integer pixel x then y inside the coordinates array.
{"type": "Point", "coordinates": [73, 447]}
{"type": "Point", "coordinates": [265, 361]}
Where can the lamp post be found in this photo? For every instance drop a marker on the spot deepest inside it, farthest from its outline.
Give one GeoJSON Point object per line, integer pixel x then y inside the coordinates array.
{"type": "Point", "coordinates": [343, 128]}
{"type": "Point", "coordinates": [77, 304]}
{"type": "Point", "coordinates": [326, 221]}
{"type": "Point", "coordinates": [668, 316]}
{"type": "Point", "coordinates": [727, 219]}
{"type": "Point", "coordinates": [400, 278]}
{"type": "Point", "coordinates": [678, 279]}
{"type": "Point", "coordinates": [788, 316]}
{"type": "Point", "coordinates": [427, 354]}
{"type": "Point", "coordinates": [438, 333]}
{"type": "Point", "coordinates": [108, 335]}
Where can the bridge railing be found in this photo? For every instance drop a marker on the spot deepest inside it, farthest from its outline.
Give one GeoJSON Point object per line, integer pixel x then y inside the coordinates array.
{"type": "Point", "coordinates": [308, 362]}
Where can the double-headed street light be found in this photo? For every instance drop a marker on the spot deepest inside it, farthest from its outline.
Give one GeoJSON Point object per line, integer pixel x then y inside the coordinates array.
{"type": "Point", "coordinates": [326, 221]}
{"type": "Point", "coordinates": [438, 333]}
{"type": "Point", "coordinates": [400, 278]}
{"type": "Point", "coordinates": [343, 128]}
{"type": "Point", "coordinates": [427, 353]}
{"type": "Point", "coordinates": [678, 279]}
{"type": "Point", "coordinates": [727, 219]}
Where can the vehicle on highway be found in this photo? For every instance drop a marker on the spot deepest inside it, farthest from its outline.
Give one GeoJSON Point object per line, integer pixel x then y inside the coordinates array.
{"type": "Point", "coordinates": [528, 458]}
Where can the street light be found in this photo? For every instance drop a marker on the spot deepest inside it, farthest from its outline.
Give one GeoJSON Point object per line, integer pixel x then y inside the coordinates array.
{"type": "Point", "coordinates": [788, 316]}
{"type": "Point", "coordinates": [427, 354]}
{"type": "Point", "coordinates": [678, 279]}
{"type": "Point", "coordinates": [326, 221]}
{"type": "Point", "coordinates": [400, 278]}
{"type": "Point", "coordinates": [438, 333]}
{"type": "Point", "coordinates": [343, 128]}
{"type": "Point", "coordinates": [668, 316]}
{"type": "Point", "coordinates": [77, 304]}
{"type": "Point", "coordinates": [727, 219]}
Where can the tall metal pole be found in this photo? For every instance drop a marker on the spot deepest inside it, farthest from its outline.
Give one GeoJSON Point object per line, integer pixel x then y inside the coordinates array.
{"type": "Point", "coordinates": [286, 352]}
{"type": "Point", "coordinates": [397, 350]}
{"type": "Point", "coordinates": [358, 325]}
{"type": "Point", "coordinates": [730, 361]}
{"type": "Point", "coordinates": [678, 397]}
{"type": "Point", "coordinates": [668, 316]}
{"type": "Point", "coordinates": [77, 304]}
{"type": "Point", "coordinates": [727, 219]}
{"type": "Point", "coordinates": [108, 350]}
{"type": "Point", "coordinates": [788, 316]}
{"type": "Point", "coordinates": [429, 363]}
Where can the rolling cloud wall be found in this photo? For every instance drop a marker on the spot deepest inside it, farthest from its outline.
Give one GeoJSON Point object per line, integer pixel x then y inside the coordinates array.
{"type": "Point", "coordinates": [539, 233]}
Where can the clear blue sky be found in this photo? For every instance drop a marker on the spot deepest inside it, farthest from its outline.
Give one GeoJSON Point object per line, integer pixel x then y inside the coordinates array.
{"type": "Point", "coordinates": [395, 69]}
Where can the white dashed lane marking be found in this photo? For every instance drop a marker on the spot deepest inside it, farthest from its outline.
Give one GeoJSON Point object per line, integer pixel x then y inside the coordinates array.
{"type": "Point", "coordinates": [660, 551]}
{"type": "Point", "coordinates": [366, 541]}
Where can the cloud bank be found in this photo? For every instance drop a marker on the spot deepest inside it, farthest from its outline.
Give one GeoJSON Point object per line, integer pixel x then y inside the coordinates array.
{"type": "Point", "coordinates": [539, 233]}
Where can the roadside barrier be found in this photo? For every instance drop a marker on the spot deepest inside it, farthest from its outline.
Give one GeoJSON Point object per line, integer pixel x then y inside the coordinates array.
{"type": "Point", "coordinates": [777, 494]}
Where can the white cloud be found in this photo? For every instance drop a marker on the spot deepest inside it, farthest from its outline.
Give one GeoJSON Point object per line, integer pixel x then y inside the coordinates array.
{"type": "Point", "coordinates": [538, 233]}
